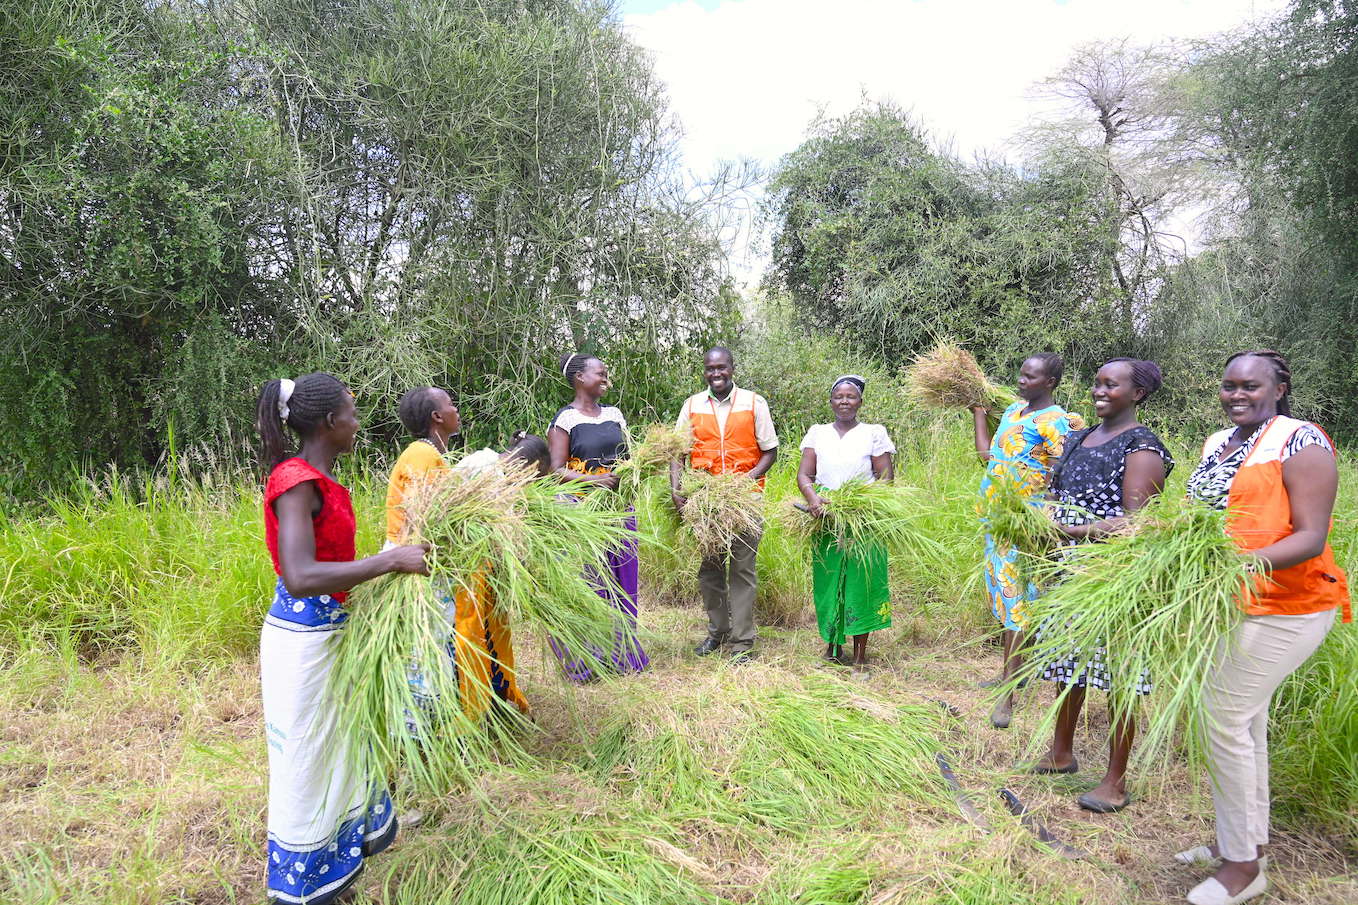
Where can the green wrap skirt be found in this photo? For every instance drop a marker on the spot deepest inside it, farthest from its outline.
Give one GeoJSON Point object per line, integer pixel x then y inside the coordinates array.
{"type": "Point", "coordinates": [850, 589]}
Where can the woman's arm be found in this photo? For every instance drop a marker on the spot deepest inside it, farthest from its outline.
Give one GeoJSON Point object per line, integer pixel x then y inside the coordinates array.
{"type": "Point", "coordinates": [303, 576]}
{"type": "Point", "coordinates": [1143, 478]}
{"type": "Point", "coordinates": [559, 447]}
{"type": "Point", "coordinates": [982, 430]}
{"type": "Point", "coordinates": [1312, 481]}
{"type": "Point", "coordinates": [806, 482]}
{"type": "Point", "coordinates": [883, 468]}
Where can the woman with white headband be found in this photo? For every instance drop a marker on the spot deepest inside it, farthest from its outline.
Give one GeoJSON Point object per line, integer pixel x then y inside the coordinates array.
{"type": "Point", "coordinates": [586, 439]}
{"type": "Point", "coordinates": [850, 588]}
{"type": "Point", "coordinates": [324, 819]}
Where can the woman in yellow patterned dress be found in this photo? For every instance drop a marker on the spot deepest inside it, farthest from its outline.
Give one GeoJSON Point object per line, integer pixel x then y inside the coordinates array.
{"type": "Point", "coordinates": [1029, 438]}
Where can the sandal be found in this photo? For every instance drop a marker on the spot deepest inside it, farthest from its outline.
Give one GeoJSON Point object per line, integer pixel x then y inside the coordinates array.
{"type": "Point", "coordinates": [1072, 767]}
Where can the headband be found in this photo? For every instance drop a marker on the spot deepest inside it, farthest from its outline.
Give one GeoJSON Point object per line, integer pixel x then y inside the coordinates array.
{"type": "Point", "coordinates": [850, 378]}
{"type": "Point", "coordinates": [285, 390]}
{"type": "Point", "coordinates": [569, 358]}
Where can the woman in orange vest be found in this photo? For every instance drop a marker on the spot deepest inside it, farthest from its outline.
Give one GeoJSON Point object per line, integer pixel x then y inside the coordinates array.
{"type": "Point", "coordinates": [1277, 478]}
{"type": "Point", "coordinates": [481, 646]}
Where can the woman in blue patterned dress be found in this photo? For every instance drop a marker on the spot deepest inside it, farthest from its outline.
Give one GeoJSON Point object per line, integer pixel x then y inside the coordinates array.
{"type": "Point", "coordinates": [1029, 438]}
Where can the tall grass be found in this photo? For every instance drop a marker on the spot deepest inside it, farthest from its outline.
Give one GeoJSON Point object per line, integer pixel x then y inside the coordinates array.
{"type": "Point", "coordinates": [174, 569]}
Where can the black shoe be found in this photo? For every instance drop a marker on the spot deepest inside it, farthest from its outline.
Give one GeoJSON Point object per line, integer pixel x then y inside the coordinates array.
{"type": "Point", "coordinates": [745, 656]}
{"type": "Point", "coordinates": [708, 645]}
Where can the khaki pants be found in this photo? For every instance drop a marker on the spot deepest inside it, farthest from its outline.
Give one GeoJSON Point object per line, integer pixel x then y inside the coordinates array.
{"type": "Point", "coordinates": [728, 586]}
{"type": "Point", "coordinates": [1263, 652]}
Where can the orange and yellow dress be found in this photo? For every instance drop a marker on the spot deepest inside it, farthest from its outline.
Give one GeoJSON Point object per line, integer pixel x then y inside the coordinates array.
{"type": "Point", "coordinates": [482, 645]}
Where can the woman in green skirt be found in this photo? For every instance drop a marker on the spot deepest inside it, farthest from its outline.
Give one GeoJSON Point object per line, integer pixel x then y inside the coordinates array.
{"type": "Point", "coordinates": [850, 586]}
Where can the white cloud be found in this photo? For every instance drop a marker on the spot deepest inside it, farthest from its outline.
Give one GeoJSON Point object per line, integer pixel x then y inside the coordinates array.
{"type": "Point", "coordinates": [746, 77]}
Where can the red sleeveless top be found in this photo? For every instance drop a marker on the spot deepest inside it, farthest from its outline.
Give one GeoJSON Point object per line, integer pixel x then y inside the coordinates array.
{"type": "Point", "coordinates": [334, 525]}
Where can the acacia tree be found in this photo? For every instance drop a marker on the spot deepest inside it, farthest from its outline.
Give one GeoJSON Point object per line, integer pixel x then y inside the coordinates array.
{"type": "Point", "coordinates": [196, 196]}
{"type": "Point", "coordinates": [878, 236]}
{"type": "Point", "coordinates": [1119, 102]}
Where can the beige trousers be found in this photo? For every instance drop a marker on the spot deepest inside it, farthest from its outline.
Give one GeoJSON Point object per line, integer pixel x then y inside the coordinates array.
{"type": "Point", "coordinates": [1261, 653]}
{"type": "Point", "coordinates": [728, 586]}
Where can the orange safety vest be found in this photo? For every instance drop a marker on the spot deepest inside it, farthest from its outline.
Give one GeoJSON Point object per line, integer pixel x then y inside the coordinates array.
{"type": "Point", "coordinates": [736, 448]}
{"type": "Point", "coordinates": [1260, 514]}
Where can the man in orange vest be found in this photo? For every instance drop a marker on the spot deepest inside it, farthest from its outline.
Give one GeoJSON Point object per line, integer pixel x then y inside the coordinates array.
{"type": "Point", "coordinates": [732, 432]}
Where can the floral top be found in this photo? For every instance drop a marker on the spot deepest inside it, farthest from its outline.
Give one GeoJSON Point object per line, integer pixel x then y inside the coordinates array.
{"type": "Point", "coordinates": [1025, 446]}
{"type": "Point", "coordinates": [1210, 482]}
{"type": "Point", "coordinates": [1087, 482]}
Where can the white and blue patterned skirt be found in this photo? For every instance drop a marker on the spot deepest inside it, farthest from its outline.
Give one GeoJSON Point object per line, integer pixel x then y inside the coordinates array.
{"type": "Point", "coordinates": [324, 820]}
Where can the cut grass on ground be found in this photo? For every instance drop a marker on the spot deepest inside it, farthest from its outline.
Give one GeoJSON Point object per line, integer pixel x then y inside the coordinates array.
{"type": "Point", "coordinates": [643, 780]}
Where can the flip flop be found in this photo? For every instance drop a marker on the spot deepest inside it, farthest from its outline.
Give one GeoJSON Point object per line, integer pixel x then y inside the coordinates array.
{"type": "Point", "coordinates": [1072, 767]}
{"type": "Point", "coordinates": [1099, 806]}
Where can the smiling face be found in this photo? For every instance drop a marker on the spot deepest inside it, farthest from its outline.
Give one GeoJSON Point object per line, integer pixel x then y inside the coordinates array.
{"type": "Point", "coordinates": [1250, 390]}
{"type": "Point", "coordinates": [593, 378]}
{"type": "Point", "coordinates": [1113, 391]}
{"type": "Point", "coordinates": [845, 401]}
{"type": "Point", "coordinates": [1033, 380]}
{"type": "Point", "coordinates": [719, 370]}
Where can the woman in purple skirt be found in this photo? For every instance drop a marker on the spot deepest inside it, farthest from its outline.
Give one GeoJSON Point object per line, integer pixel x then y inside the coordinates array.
{"type": "Point", "coordinates": [586, 438]}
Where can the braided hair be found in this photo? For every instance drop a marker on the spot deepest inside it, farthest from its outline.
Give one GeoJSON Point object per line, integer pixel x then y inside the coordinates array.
{"type": "Point", "coordinates": [1053, 365]}
{"type": "Point", "coordinates": [530, 448]}
{"type": "Point", "coordinates": [1282, 374]}
{"type": "Point", "coordinates": [415, 411]}
{"type": "Point", "coordinates": [571, 365]}
{"type": "Point", "coordinates": [1145, 375]}
{"type": "Point", "coordinates": [314, 396]}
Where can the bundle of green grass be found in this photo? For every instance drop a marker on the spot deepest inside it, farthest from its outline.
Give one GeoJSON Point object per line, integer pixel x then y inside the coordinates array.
{"type": "Point", "coordinates": [949, 377]}
{"type": "Point", "coordinates": [648, 460]}
{"type": "Point", "coordinates": [1160, 596]}
{"type": "Point", "coordinates": [523, 545]}
{"type": "Point", "coordinates": [718, 509]}
{"type": "Point", "coordinates": [864, 514]}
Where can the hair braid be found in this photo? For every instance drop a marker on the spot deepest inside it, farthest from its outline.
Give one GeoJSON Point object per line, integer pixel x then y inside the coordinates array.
{"type": "Point", "coordinates": [1145, 374]}
{"type": "Point", "coordinates": [572, 364]}
{"type": "Point", "coordinates": [415, 410]}
{"type": "Point", "coordinates": [1053, 365]}
{"type": "Point", "coordinates": [1282, 374]}
{"type": "Point", "coordinates": [313, 398]}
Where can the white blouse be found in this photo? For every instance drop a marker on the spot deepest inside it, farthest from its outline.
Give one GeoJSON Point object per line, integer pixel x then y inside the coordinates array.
{"type": "Point", "coordinates": [840, 459]}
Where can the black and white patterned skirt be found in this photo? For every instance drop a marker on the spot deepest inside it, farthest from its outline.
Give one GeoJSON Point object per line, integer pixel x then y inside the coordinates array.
{"type": "Point", "coordinates": [1084, 670]}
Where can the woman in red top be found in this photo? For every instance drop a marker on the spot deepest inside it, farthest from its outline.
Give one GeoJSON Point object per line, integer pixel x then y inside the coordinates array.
{"type": "Point", "coordinates": [323, 819]}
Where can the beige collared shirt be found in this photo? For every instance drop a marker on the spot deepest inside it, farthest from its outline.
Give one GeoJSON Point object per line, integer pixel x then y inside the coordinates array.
{"type": "Point", "coordinates": [764, 434]}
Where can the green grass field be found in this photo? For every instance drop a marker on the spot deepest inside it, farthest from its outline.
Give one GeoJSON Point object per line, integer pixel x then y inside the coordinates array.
{"type": "Point", "coordinates": [133, 759]}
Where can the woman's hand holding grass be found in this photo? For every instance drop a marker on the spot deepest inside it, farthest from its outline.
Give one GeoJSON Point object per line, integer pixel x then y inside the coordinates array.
{"type": "Point", "coordinates": [412, 558]}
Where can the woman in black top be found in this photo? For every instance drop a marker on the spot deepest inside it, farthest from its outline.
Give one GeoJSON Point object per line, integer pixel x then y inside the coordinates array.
{"type": "Point", "coordinates": [1105, 473]}
{"type": "Point", "coordinates": [586, 439]}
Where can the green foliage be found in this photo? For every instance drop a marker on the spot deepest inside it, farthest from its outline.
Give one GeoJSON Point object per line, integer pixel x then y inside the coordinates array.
{"type": "Point", "coordinates": [202, 196]}
{"type": "Point", "coordinates": [171, 568]}
{"type": "Point", "coordinates": [880, 237]}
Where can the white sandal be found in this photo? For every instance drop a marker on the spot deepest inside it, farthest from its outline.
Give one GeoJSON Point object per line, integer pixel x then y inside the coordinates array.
{"type": "Point", "coordinates": [1201, 856]}
{"type": "Point", "coordinates": [1211, 892]}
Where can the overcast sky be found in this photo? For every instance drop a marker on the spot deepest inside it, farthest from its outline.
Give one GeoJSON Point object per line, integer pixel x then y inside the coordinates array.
{"type": "Point", "coordinates": [745, 77]}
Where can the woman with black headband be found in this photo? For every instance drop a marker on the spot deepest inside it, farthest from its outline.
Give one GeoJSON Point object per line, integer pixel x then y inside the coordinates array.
{"type": "Point", "coordinates": [1106, 472]}
{"type": "Point", "coordinates": [1276, 476]}
{"type": "Point", "coordinates": [585, 440]}
{"type": "Point", "coordinates": [850, 588]}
